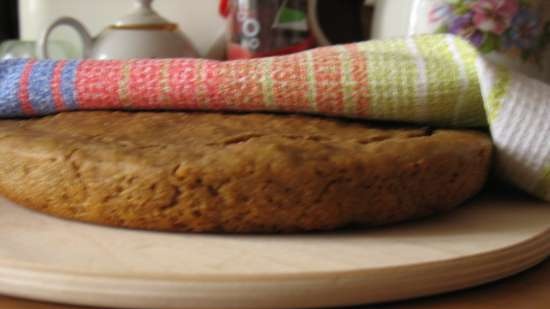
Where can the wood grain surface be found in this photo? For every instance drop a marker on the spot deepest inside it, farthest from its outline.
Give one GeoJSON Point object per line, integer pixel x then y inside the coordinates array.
{"type": "Point", "coordinates": [490, 238]}
{"type": "Point", "coordinates": [530, 289]}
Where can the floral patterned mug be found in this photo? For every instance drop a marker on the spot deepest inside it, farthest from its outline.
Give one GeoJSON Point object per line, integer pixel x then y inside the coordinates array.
{"type": "Point", "coordinates": [515, 33]}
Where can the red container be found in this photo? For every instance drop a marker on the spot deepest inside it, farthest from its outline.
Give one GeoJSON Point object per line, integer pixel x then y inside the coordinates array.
{"type": "Point", "coordinates": [261, 28]}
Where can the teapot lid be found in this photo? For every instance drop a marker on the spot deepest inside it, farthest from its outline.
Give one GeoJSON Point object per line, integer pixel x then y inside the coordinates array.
{"type": "Point", "coordinates": [143, 14]}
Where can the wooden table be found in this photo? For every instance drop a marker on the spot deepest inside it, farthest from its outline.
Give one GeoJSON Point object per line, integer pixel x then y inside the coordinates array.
{"type": "Point", "coordinates": [530, 289]}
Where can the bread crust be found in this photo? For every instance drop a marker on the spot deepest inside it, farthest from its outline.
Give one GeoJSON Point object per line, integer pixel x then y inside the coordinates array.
{"type": "Point", "coordinates": [214, 172]}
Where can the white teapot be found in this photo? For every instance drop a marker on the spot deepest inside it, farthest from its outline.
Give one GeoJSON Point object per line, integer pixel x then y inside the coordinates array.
{"type": "Point", "coordinates": [142, 34]}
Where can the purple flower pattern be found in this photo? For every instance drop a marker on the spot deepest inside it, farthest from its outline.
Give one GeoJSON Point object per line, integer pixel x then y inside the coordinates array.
{"type": "Point", "coordinates": [509, 26]}
{"type": "Point", "coordinates": [524, 31]}
{"type": "Point", "coordinates": [464, 26]}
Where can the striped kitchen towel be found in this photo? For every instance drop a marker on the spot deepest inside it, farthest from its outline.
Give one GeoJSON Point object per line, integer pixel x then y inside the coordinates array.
{"type": "Point", "coordinates": [435, 79]}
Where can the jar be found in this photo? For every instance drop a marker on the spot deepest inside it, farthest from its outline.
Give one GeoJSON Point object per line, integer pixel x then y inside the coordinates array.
{"type": "Point", "coordinates": [261, 28]}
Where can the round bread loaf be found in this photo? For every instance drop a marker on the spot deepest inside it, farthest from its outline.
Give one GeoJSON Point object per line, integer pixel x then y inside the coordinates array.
{"type": "Point", "coordinates": [214, 172]}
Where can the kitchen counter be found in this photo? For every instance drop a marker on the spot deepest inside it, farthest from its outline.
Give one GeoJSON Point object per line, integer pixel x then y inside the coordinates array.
{"type": "Point", "coordinates": [530, 289]}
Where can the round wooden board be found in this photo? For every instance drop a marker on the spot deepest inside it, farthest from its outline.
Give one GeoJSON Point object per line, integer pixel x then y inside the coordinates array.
{"type": "Point", "coordinates": [55, 260]}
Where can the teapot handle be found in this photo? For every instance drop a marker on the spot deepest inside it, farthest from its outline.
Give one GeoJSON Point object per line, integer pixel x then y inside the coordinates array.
{"type": "Point", "coordinates": [85, 37]}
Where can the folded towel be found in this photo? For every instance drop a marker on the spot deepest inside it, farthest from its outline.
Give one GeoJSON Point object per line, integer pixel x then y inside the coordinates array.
{"type": "Point", "coordinates": [435, 79]}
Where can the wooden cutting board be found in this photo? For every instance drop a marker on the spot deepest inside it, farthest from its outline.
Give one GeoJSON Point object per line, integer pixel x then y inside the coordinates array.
{"type": "Point", "coordinates": [55, 260]}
